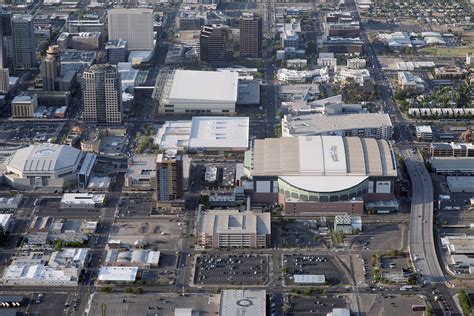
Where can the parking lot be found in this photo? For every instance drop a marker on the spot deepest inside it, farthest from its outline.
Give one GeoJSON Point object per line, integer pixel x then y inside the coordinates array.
{"type": "Point", "coordinates": [153, 304]}
{"type": "Point", "coordinates": [299, 233]}
{"type": "Point", "coordinates": [314, 304]}
{"type": "Point", "coordinates": [26, 131]}
{"type": "Point", "coordinates": [47, 304]}
{"type": "Point", "coordinates": [163, 233]}
{"type": "Point", "coordinates": [313, 264]}
{"type": "Point", "coordinates": [381, 237]}
{"type": "Point", "coordinates": [231, 270]}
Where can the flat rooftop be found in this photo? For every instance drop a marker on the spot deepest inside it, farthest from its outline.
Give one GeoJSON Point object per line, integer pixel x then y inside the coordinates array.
{"type": "Point", "coordinates": [235, 222]}
{"type": "Point", "coordinates": [453, 163]}
{"type": "Point", "coordinates": [243, 302]}
{"type": "Point", "coordinates": [208, 86]}
{"type": "Point", "coordinates": [316, 124]}
{"type": "Point", "coordinates": [219, 132]}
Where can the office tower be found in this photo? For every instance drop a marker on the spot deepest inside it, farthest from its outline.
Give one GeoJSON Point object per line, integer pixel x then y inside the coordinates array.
{"type": "Point", "coordinates": [102, 94]}
{"type": "Point", "coordinates": [133, 25]}
{"type": "Point", "coordinates": [24, 41]}
{"type": "Point", "coordinates": [116, 51]}
{"type": "Point", "coordinates": [5, 34]}
{"type": "Point", "coordinates": [250, 35]}
{"type": "Point", "coordinates": [24, 106]}
{"type": "Point", "coordinates": [169, 175]}
{"type": "Point", "coordinates": [4, 80]}
{"type": "Point", "coordinates": [51, 67]}
{"type": "Point", "coordinates": [215, 44]}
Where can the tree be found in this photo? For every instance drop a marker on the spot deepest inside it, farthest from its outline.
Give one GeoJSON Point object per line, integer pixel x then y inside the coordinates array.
{"type": "Point", "coordinates": [464, 302]}
{"type": "Point", "coordinates": [139, 290]}
{"type": "Point", "coordinates": [128, 290]}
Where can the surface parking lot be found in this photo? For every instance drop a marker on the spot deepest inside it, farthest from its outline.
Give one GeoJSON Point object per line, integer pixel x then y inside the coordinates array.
{"type": "Point", "coordinates": [314, 305]}
{"type": "Point", "coordinates": [231, 270]}
{"type": "Point", "coordinates": [313, 264]}
{"type": "Point", "coordinates": [297, 234]}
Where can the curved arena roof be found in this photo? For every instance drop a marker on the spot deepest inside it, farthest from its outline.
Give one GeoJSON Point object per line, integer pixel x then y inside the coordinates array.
{"type": "Point", "coordinates": [44, 159]}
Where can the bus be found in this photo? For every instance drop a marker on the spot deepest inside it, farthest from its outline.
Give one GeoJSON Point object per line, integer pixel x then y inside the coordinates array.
{"type": "Point", "coordinates": [418, 308]}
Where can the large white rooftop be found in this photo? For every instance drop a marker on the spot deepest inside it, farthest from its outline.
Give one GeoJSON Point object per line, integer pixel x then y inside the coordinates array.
{"type": "Point", "coordinates": [219, 132]}
{"type": "Point", "coordinates": [316, 124]}
{"type": "Point", "coordinates": [122, 274]}
{"type": "Point", "coordinates": [204, 86]}
{"type": "Point", "coordinates": [204, 132]}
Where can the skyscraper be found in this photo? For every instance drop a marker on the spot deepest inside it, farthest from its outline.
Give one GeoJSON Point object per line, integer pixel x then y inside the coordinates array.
{"type": "Point", "coordinates": [169, 176]}
{"type": "Point", "coordinates": [215, 44]}
{"type": "Point", "coordinates": [133, 25]}
{"type": "Point", "coordinates": [102, 94]}
{"type": "Point", "coordinates": [24, 41]}
{"type": "Point", "coordinates": [5, 32]}
{"type": "Point", "coordinates": [4, 80]}
{"type": "Point", "coordinates": [250, 35]}
{"type": "Point", "coordinates": [51, 67]}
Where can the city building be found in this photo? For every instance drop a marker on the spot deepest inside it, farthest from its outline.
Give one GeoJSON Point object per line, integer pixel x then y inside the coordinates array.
{"type": "Point", "coordinates": [4, 80]}
{"type": "Point", "coordinates": [5, 221]}
{"type": "Point", "coordinates": [118, 274]}
{"type": "Point", "coordinates": [327, 60]}
{"type": "Point", "coordinates": [251, 35]}
{"type": "Point", "coordinates": [351, 29]}
{"type": "Point", "coordinates": [51, 68]}
{"type": "Point", "coordinates": [200, 92]}
{"type": "Point", "coordinates": [215, 45]}
{"type": "Point", "coordinates": [132, 25]}
{"type": "Point", "coordinates": [356, 63]}
{"type": "Point", "coordinates": [63, 268]}
{"type": "Point", "coordinates": [102, 94]}
{"type": "Point", "coordinates": [460, 184]}
{"type": "Point", "coordinates": [370, 125]}
{"type": "Point", "coordinates": [454, 166]}
{"type": "Point", "coordinates": [24, 106]}
{"type": "Point", "coordinates": [309, 174]}
{"type": "Point", "coordinates": [5, 39]}
{"type": "Point", "coordinates": [46, 166]}
{"type": "Point", "coordinates": [234, 229]}
{"type": "Point", "coordinates": [116, 51]}
{"type": "Point", "coordinates": [24, 41]}
{"type": "Point", "coordinates": [410, 82]}
{"type": "Point", "coordinates": [78, 26]}
{"type": "Point", "coordinates": [141, 258]}
{"type": "Point", "coordinates": [169, 177]}
{"type": "Point", "coordinates": [82, 200]}
{"type": "Point", "coordinates": [204, 134]}
{"type": "Point", "coordinates": [452, 150]}
{"type": "Point", "coordinates": [243, 302]}
{"type": "Point", "coordinates": [342, 45]}
{"type": "Point", "coordinates": [424, 133]}
{"type": "Point", "coordinates": [347, 224]}
{"type": "Point", "coordinates": [141, 173]}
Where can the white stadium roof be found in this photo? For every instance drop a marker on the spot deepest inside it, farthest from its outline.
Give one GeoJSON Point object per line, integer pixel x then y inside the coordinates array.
{"type": "Point", "coordinates": [322, 163]}
{"type": "Point", "coordinates": [208, 86]}
{"type": "Point", "coordinates": [44, 158]}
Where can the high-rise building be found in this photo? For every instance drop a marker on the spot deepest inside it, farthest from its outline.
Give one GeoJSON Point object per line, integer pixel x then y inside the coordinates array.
{"type": "Point", "coordinates": [116, 51]}
{"type": "Point", "coordinates": [169, 176]}
{"type": "Point", "coordinates": [102, 94]}
{"type": "Point", "coordinates": [215, 44]}
{"type": "Point", "coordinates": [5, 34]}
{"type": "Point", "coordinates": [51, 68]}
{"type": "Point", "coordinates": [24, 41]}
{"type": "Point", "coordinates": [4, 80]}
{"type": "Point", "coordinates": [24, 106]}
{"type": "Point", "coordinates": [251, 36]}
{"type": "Point", "coordinates": [133, 25]}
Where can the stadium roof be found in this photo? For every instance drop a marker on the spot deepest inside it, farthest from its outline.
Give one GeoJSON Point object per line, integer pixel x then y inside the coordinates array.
{"type": "Point", "coordinates": [208, 86]}
{"type": "Point", "coordinates": [44, 158]}
{"type": "Point", "coordinates": [322, 156]}
{"type": "Point", "coordinates": [315, 124]}
{"type": "Point", "coordinates": [213, 132]}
